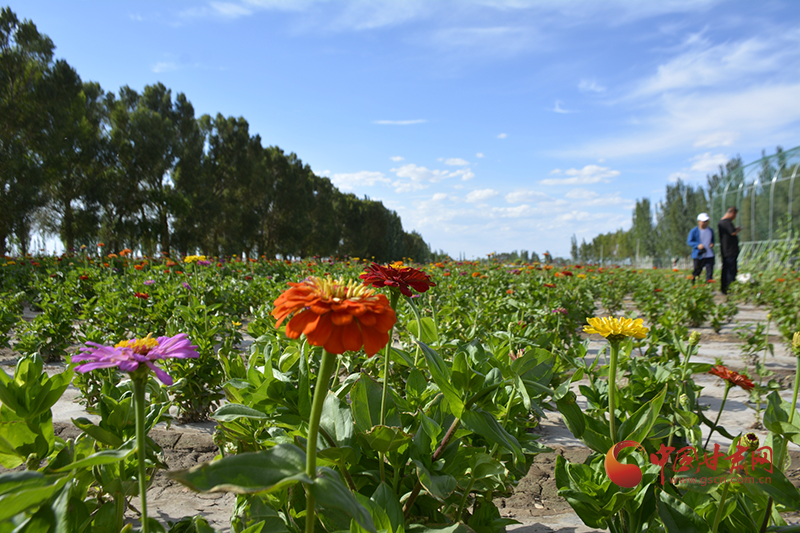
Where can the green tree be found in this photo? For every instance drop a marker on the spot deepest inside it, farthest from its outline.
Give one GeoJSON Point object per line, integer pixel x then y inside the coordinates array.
{"type": "Point", "coordinates": [25, 57]}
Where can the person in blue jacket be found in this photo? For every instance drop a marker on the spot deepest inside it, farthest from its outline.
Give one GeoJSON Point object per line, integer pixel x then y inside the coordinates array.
{"type": "Point", "coordinates": [701, 239]}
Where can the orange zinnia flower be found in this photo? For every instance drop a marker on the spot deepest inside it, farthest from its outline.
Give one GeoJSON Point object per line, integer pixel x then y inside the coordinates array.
{"type": "Point", "coordinates": [336, 315]}
{"type": "Point", "coordinates": [732, 377]}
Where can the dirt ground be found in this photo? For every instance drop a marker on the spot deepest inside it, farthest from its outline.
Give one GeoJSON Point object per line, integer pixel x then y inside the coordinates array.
{"type": "Point", "coordinates": [535, 502]}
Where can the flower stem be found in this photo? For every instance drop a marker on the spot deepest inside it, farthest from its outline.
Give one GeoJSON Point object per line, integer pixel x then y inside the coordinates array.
{"type": "Point", "coordinates": [612, 390]}
{"type": "Point", "coordinates": [718, 517]}
{"type": "Point", "coordinates": [320, 392]}
{"type": "Point", "coordinates": [719, 414]}
{"type": "Point", "coordinates": [139, 387]}
{"type": "Point", "coordinates": [796, 389]}
{"type": "Point", "coordinates": [386, 353]}
{"type": "Point", "coordinates": [419, 329]}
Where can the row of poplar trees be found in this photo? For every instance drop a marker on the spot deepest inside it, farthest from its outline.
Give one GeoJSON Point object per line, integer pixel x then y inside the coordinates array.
{"type": "Point", "coordinates": [140, 170]}
{"type": "Point", "coordinates": [659, 232]}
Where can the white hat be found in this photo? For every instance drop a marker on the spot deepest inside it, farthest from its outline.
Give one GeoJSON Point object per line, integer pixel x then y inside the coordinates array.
{"type": "Point", "coordinates": [702, 217]}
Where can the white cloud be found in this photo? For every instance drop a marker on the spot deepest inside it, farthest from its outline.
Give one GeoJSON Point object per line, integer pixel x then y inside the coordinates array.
{"type": "Point", "coordinates": [714, 140]}
{"type": "Point", "coordinates": [708, 162]}
{"type": "Point", "coordinates": [165, 66]}
{"type": "Point", "coordinates": [518, 197]}
{"type": "Point", "coordinates": [465, 173]}
{"type": "Point", "coordinates": [558, 109]}
{"type": "Point", "coordinates": [675, 176]}
{"type": "Point", "coordinates": [486, 42]}
{"type": "Point", "coordinates": [439, 196]}
{"type": "Point", "coordinates": [396, 158]}
{"type": "Point", "coordinates": [229, 9]}
{"type": "Point", "coordinates": [581, 194]}
{"type": "Point", "coordinates": [420, 174]}
{"type": "Point", "coordinates": [556, 171]}
{"type": "Point", "coordinates": [502, 136]}
{"type": "Point", "coordinates": [590, 86]}
{"type": "Point", "coordinates": [583, 176]}
{"type": "Point", "coordinates": [512, 212]}
{"type": "Point", "coordinates": [707, 66]}
{"type": "Point", "coordinates": [480, 195]}
{"type": "Point", "coordinates": [456, 161]}
{"type": "Point", "coordinates": [348, 181]}
{"type": "Point", "coordinates": [479, 155]}
{"type": "Point", "coordinates": [400, 122]}
{"type": "Point", "coordinates": [401, 186]}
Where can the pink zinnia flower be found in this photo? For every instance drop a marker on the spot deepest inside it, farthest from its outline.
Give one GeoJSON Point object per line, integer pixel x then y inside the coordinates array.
{"type": "Point", "coordinates": [128, 355]}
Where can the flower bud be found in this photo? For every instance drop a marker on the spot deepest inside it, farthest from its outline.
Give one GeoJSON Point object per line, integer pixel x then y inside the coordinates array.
{"type": "Point", "coordinates": [751, 441]}
{"type": "Point", "coordinates": [694, 338]}
{"type": "Point", "coordinates": [796, 342]}
{"type": "Point", "coordinates": [684, 400]}
{"type": "Point", "coordinates": [570, 398]}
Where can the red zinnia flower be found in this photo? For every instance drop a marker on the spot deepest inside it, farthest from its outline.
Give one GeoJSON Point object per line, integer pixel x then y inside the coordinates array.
{"type": "Point", "coordinates": [404, 279]}
{"type": "Point", "coordinates": [83, 277]}
{"type": "Point", "coordinates": [732, 377]}
{"type": "Point", "coordinates": [141, 295]}
{"type": "Point", "coordinates": [550, 285]}
{"type": "Point", "coordinates": [657, 290]}
{"type": "Point", "coordinates": [336, 315]}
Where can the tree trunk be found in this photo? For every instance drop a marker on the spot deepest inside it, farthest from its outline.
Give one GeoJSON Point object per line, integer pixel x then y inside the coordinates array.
{"type": "Point", "coordinates": [164, 231]}
{"type": "Point", "coordinates": [67, 225]}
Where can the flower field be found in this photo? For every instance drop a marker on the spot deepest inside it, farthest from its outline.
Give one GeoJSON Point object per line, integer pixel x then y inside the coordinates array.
{"type": "Point", "coordinates": [422, 388]}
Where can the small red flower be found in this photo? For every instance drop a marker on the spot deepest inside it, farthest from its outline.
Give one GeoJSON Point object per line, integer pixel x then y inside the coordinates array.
{"type": "Point", "coordinates": [550, 285]}
{"type": "Point", "coordinates": [658, 290]}
{"type": "Point", "coordinates": [141, 295]}
{"type": "Point", "coordinates": [138, 267]}
{"type": "Point", "coordinates": [732, 377]}
{"type": "Point", "coordinates": [404, 279]}
{"type": "Point", "coordinates": [83, 277]}
{"type": "Point", "coordinates": [248, 278]}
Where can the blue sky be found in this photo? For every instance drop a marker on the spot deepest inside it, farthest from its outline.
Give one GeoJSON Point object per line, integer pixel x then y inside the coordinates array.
{"type": "Point", "coordinates": [488, 125]}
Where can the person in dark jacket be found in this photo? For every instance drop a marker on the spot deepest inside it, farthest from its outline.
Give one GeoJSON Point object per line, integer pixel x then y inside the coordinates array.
{"type": "Point", "coordinates": [701, 239]}
{"type": "Point", "coordinates": [729, 242]}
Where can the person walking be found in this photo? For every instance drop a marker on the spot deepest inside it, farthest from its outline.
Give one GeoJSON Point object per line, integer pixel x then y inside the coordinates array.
{"type": "Point", "coordinates": [701, 239]}
{"type": "Point", "coordinates": [729, 242]}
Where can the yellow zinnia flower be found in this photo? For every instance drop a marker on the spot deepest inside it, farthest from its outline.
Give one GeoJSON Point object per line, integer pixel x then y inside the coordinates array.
{"type": "Point", "coordinates": [615, 329]}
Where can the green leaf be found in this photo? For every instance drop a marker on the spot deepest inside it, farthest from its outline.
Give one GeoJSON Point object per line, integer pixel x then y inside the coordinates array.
{"type": "Point", "coordinates": [484, 466]}
{"type": "Point", "coordinates": [442, 377]}
{"type": "Point", "coordinates": [104, 457]}
{"type": "Point", "coordinates": [233, 411]}
{"type": "Point", "coordinates": [428, 335]}
{"type": "Point", "coordinates": [573, 416]}
{"type": "Point", "coordinates": [337, 420]}
{"type": "Point", "coordinates": [679, 517]}
{"type": "Point", "coordinates": [248, 473]}
{"type": "Point", "coordinates": [97, 433]}
{"type": "Point", "coordinates": [331, 493]}
{"type": "Point", "coordinates": [487, 426]}
{"type": "Point", "coordinates": [638, 425]}
{"type": "Point", "coordinates": [365, 397]}
{"type": "Point", "coordinates": [23, 499]}
{"type": "Point", "coordinates": [774, 484]}
{"type": "Point", "coordinates": [387, 500]}
{"type": "Point", "coordinates": [438, 486]}
{"type": "Point", "coordinates": [385, 439]}
{"type": "Point", "coordinates": [416, 384]}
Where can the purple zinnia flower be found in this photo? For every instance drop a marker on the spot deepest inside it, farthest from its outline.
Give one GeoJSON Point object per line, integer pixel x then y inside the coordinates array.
{"type": "Point", "coordinates": [149, 281]}
{"type": "Point", "coordinates": [204, 263]}
{"type": "Point", "coordinates": [186, 285]}
{"type": "Point", "coordinates": [559, 310]}
{"type": "Point", "coordinates": [128, 355]}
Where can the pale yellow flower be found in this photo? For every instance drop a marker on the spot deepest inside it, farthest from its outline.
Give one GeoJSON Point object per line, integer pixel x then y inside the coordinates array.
{"type": "Point", "coordinates": [615, 329]}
